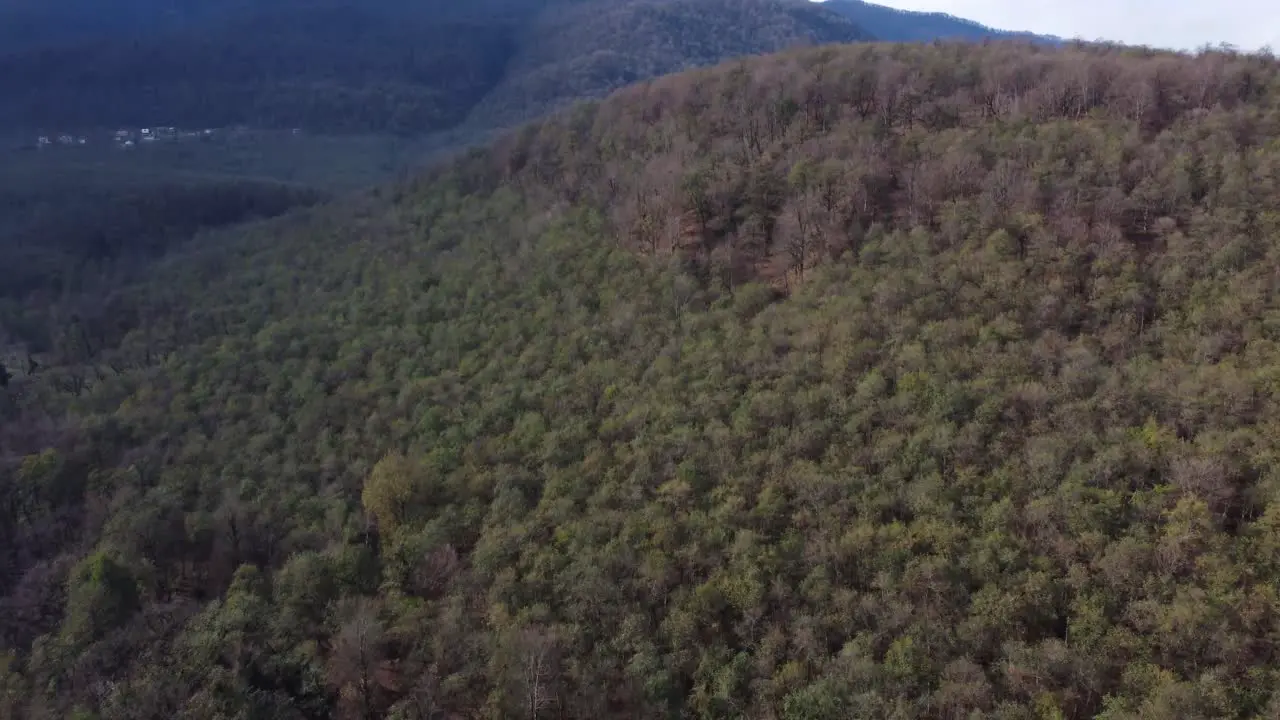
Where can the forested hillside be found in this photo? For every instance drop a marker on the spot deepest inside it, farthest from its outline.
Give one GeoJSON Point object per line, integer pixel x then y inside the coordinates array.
{"type": "Point", "coordinates": [866, 381]}
{"type": "Point", "coordinates": [585, 49]}
{"type": "Point", "coordinates": [338, 67]}
{"type": "Point", "coordinates": [37, 24]}
{"type": "Point", "coordinates": [395, 66]}
{"type": "Point", "coordinates": [67, 233]}
{"type": "Point", "coordinates": [892, 24]}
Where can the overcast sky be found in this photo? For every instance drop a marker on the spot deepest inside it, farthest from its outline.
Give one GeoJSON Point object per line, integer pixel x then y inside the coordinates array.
{"type": "Point", "coordinates": [1180, 24]}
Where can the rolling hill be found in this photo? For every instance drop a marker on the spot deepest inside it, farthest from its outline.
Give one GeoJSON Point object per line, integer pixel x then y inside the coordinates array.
{"type": "Point", "coordinates": [865, 381]}
{"type": "Point", "coordinates": [584, 50]}
{"type": "Point", "coordinates": [893, 25]}
{"type": "Point", "coordinates": [378, 86]}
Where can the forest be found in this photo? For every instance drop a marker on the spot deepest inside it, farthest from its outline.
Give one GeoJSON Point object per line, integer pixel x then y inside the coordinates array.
{"type": "Point", "coordinates": [581, 50]}
{"type": "Point", "coordinates": [388, 66]}
{"type": "Point", "coordinates": [71, 234]}
{"type": "Point", "coordinates": [336, 69]}
{"type": "Point", "coordinates": [895, 25]}
{"type": "Point", "coordinates": [876, 380]}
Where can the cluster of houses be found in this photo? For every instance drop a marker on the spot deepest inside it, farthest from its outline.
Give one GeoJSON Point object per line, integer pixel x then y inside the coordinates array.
{"type": "Point", "coordinates": [125, 138]}
{"type": "Point", "coordinates": [131, 138]}
{"type": "Point", "coordinates": [45, 140]}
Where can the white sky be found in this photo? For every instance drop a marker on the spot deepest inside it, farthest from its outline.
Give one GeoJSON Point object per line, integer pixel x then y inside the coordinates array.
{"type": "Point", "coordinates": [1178, 24]}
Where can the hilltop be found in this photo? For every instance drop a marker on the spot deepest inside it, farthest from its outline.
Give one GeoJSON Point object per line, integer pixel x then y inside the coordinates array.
{"type": "Point", "coordinates": [893, 25]}
{"type": "Point", "coordinates": [870, 381]}
{"type": "Point", "coordinates": [583, 50]}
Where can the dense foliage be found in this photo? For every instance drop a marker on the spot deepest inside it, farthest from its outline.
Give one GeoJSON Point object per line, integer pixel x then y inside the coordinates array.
{"type": "Point", "coordinates": [941, 385]}
{"type": "Point", "coordinates": [70, 235]}
{"type": "Point", "coordinates": [61, 231]}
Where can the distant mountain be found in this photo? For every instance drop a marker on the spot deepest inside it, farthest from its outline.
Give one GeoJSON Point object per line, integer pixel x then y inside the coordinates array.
{"type": "Point", "coordinates": [895, 25]}
{"type": "Point", "coordinates": [338, 67]}
{"type": "Point", "coordinates": [386, 66]}
{"type": "Point", "coordinates": [27, 25]}
{"type": "Point", "coordinates": [586, 49]}
{"type": "Point", "coordinates": [380, 66]}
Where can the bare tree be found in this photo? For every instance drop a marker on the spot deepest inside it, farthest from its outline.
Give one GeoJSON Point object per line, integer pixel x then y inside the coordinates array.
{"type": "Point", "coordinates": [356, 658]}
{"type": "Point", "coordinates": [433, 572]}
{"type": "Point", "coordinates": [538, 655]}
{"type": "Point", "coordinates": [799, 230]}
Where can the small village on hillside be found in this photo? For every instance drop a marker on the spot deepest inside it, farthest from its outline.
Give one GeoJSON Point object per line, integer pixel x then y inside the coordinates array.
{"type": "Point", "coordinates": [124, 138]}
{"type": "Point", "coordinates": [128, 138]}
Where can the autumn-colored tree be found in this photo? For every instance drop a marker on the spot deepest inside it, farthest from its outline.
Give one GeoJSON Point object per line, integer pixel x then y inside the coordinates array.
{"type": "Point", "coordinates": [356, 666]}
{"type": "Point", "coordinates": [393, 491]}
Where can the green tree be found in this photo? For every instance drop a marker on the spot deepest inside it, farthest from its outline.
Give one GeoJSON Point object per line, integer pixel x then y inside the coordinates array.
{"type": "Point", "coordinates": [102, 594]}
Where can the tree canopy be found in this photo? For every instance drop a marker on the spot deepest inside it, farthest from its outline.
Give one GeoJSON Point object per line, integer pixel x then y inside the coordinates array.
{"type": "Point", "coordinates": [867, 381]}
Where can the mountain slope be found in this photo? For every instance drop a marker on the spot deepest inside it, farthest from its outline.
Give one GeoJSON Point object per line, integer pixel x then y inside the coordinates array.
{"type": "Point", "coordinates": [66, 227]}
{"type": "Point", "coordinates": [390, 65]}
{"type": "Point", "coordinates": [584, 51]}
{"type": "Point", "coordinates": [894, 25]}
{"type": "Point", "coordinates": [528, 437]}
{"type": "Point", "coordinates": [27, 25]}
{"type": "Point", "coordinates": [386, 66]}
{"type": "Point", "coordinates": [337, 69]}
